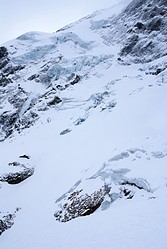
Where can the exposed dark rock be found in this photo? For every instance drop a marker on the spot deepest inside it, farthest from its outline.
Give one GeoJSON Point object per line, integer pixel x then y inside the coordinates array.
{"type": "Point", "coordinates": [139, 25]}
{"type": "Point", "coordinates": [154, 24]}
{"type": "Point", "coordinates": [138, 183]}
{"type": "Point", "coordinates": [93, 208]}
{"type": "Point", "coordinates": [3, 52]}
{"type": "Point", "coordinates": [156, 11]}
{"type": "Point", "coordinates": [73, 204]}
{"type": "Point", "coordinates": [74, 79]}
{"type": "Point", "coordinates": [61, 88]}
{"type": "Point", "coordinates": [11, 122]}
{"type": "Point", "coordinates": [7, 121]}
{"type": "Point", "coordinates": [12, 69]}
{"type": "Point", "coordinates": [27, 120]}
{"type": "Point", "coordinates": [81, 205]}
{"type": "Point", "coordinates": [6, 222]}
{"type": "Point", "coordinates": [128, 193]}
{"type": "Point", "coordinates": [25, 156]}
{"type": "Point", "coordinates": [15, 178]}
{"type": "Point", "coordinates": [157, 71]}
{"type": "Point", "coordinates": [131, 42]}
{"type": "Point", "coordinates": [14, 164]}
{"type": "Point", "coordinates": [79, 121]}
{"type": "Point", "coordinates": [65, 132]}
{"type": "Point", "coordinates": [135, 5]}
{"type": "Point", "coordinates": [4, 81]}
{"type": "Point", "coordinates": [3, 63]}
{"type": "Point", "coordinates": [54, 101]}
{"type": "Point", "coordinates": [148, 19]}
{"type": "Point", "coordinates": [33, 77]}
{"type": "Point", "coordinates": [130, 31]}
{"type": "Point", "coordinates": [18, 98]}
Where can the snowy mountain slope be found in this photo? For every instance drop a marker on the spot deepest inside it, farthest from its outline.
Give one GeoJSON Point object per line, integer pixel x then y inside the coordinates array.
{"type": "Point", "coordinates": [83, 136]}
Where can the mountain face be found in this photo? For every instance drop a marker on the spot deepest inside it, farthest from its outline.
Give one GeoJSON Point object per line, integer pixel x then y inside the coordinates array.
{"type": "Point", "coordinates": [83, 132]}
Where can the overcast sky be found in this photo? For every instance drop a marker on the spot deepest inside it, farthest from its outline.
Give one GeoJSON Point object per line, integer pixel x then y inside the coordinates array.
{"type": "Point", "coordinates": [20, 16]}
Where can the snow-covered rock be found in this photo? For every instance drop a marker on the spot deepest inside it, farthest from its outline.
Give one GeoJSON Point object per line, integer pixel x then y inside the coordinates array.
{"type": "Point", "coordinates": [83, 132]}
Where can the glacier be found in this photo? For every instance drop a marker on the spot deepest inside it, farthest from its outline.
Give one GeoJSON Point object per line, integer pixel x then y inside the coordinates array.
{"type": "Point", "coordinates": [83, 142]}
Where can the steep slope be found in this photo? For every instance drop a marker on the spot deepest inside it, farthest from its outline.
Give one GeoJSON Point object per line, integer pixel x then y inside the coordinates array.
{"type": "Point", "coordinates": [83, 133]}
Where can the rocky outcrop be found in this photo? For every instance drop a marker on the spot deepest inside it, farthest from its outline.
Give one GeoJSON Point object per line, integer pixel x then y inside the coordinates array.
{"type": "Point", "coordinates": [79, 204]}
{"type": "Point", "coordinates": [140, 30]}
{"type": "Point", "coordinates": [4, 80]}
{"type": "Point", "coordinates": [146, 39]}
{"type": "Point", "coordinates": [113, 185]}
{"type": "Point", "coordinates": [17, 177]}
{"type": "Point", "coordinates": [76, 203]}
{"type": "Point", "coordinates": [25, 109]}
{"type": "Point", "coordinates": [6, 222]}
{"type": "Point", "coordinates": [3, 52]}
{"type": "Point", "coordinates": [10, 122]}
{"type": "Point", "coordinates": [7, 121]}
{"type": "Point", "coordinates": [54, 101]}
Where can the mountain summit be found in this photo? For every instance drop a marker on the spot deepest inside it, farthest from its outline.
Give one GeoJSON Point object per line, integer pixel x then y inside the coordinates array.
{"type": "Point", "coordinates": [83, 133]}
